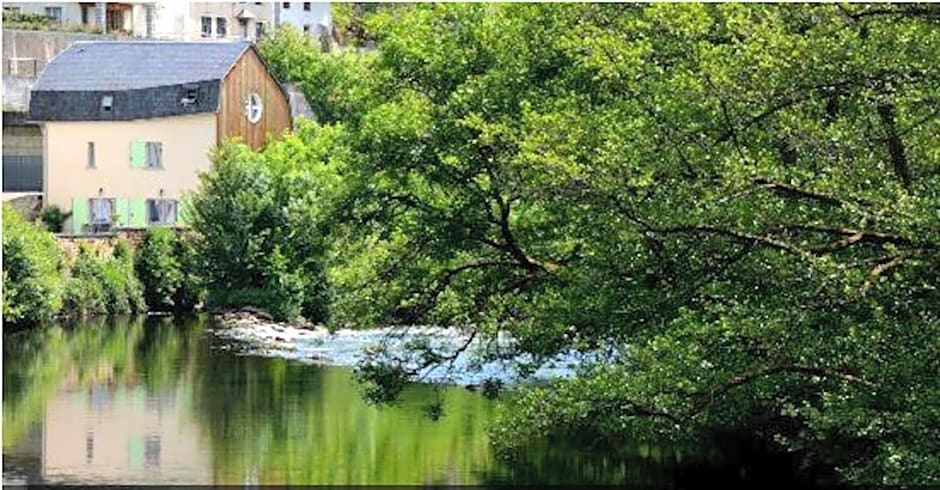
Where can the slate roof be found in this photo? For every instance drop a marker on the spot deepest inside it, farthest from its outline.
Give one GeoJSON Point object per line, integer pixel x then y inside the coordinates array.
{"type": "Point", "coordinates": [143, 78]}
{"type": "Point", "coordinates": [129, 65]}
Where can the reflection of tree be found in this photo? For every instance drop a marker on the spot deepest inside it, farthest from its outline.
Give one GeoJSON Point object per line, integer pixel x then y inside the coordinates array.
{"type": "Point", "coordinates": [272, 421]}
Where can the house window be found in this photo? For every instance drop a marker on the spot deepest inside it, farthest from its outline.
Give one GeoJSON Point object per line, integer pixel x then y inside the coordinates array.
{"type": "Point", "coordinates": [54, 14]}
{"type": "Point", "coordinates": [206, 26]}
{"type": "Point", "coordinates": [162, 211]}
{"type": "Point", "coordinates": [91, 154]}
{"type": "Point", "coordinates": [259, 30]}
{"type": "Point", "coordinates": [307, 6]}
{"type": "Point", "coordinates": [190, 95]}
{"type": "Point", "coordinates": [100, 210]}
{"type": "Point", "coordinates": [254, 108]}
{"type": "Point", "coordinates": [154, 154]}
{"type": "Point", "coordinates": [107, 102]}
{"type": "Point", "coordinates": [306, 28]}
{"type": "Point", "coordinates": [285, 5]}
{"type": "Point", "coordinates": [220, 27]}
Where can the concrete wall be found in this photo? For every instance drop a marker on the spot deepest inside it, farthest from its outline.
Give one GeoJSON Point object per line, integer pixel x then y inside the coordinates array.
{"type": "Point", "coordinates": [28, 204]}
{"type": "Point", "coordinates": [25, 55]}
{"type": "Point", "coordinates": [186, 140]}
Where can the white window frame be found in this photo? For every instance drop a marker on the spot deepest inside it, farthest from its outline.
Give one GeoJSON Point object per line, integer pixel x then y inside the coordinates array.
{"type": "Point", "coordinates": [223, 32]}
{"type": "Point", "coordinates": [202, 25]}
{"type": "Point", "coordinates": [254, 108]}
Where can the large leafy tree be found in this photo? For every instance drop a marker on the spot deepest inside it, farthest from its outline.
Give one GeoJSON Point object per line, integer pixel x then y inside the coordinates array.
{"type": "Point", "coordinates": [740, 199]}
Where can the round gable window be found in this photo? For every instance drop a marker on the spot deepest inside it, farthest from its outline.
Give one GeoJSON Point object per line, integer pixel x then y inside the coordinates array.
{"type": "Point", "coordinates": [253, 108]}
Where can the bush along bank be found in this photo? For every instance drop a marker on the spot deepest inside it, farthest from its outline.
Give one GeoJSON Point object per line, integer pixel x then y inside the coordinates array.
{"type": "Point", "coordinates": [41, 283]}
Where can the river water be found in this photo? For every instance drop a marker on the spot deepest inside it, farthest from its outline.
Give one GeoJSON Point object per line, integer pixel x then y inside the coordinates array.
{"type": "Point", "coordinates": [170, 401]}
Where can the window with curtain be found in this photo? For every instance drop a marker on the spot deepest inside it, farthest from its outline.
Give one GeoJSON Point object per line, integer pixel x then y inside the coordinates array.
{"type": "Point", "coordinates": [161, 211]}
{"type": "Point", "coordinates": [154, 154]}
{"type": "Point", "coordinates": [100, 210]}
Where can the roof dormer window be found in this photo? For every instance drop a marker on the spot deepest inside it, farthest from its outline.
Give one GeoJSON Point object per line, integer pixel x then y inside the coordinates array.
{"type": "Point", "coordinates": [190, 96]}
{"type": "Point", "coordinates": [107, 102]}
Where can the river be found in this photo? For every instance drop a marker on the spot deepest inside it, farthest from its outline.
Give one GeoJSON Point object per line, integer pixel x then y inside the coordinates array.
{"type": "Point", "coordinates": [168, 401]}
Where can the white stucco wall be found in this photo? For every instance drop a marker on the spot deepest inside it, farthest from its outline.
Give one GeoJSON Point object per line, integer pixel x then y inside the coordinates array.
{"type": "Point", "coordinates": [318, 17]}
{"type": "Point", "coordinates": [186, 140]}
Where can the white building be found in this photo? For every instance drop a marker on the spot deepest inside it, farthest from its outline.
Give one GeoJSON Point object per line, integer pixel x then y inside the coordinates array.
{"type": "Point", "coordinates": [311, 18]}
{"type": "Point", "coordinates": [116, 18]}
{"type": "Point", "coordinates": [183, 20]}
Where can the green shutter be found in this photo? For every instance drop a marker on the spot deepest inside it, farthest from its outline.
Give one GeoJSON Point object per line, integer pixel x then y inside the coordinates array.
{"type": "Point", "coordinates": [138, 154]}
{"type": "Point", "coordinates": [181, 211]}
{"type": "Point", "coordinates": [138, 207]}
{"type": "Point", "coordinates": [79, 213]}
{"type": "Point", "coordinates": [123, 211]}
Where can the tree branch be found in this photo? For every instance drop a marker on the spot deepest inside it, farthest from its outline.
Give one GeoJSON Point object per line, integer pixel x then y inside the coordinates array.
{"type": "Point", "coordinates": [793, 191]}
{"type": "Point", "coordinates": [707, 397]}
{"type": "Point", "coordinates": [895, 146]}
{"type": "Point", "coordinates": [879, 270]}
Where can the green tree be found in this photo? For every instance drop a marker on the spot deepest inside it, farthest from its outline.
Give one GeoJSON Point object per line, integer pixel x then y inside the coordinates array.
{"type": "Point", "coordinates": [737, 201]}
{"type": "Point", "coordinates": [33, 271]}
{"type": "Point", "coordinates": [159, 268]}
{"type": "Point", "coordinates": [258, 220]}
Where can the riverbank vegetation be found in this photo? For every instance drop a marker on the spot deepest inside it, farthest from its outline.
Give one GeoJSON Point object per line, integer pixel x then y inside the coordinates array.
{"type": "Point", "coordinates": [41, 281]}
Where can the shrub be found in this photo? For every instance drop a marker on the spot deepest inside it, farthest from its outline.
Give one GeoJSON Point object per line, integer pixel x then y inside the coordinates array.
{"type": "Point", "coordinates": [123, 289]}
{"type": "Point", "coordinates": [53, 218]}
{"type": "Point", "coordinates": [237, 297]}
{"type": "Point", "coordinates": [159, 269]}
{"type": "Point", "coordinates": [285, 288]}
{"type": "Point", "coordinates": [32, 271]}
{"type": "Point", "coordinates": [104, 285]}
{"type": "Point", "coordinates": [192, 290]}
{"type": "Point", "coordinates": [84, 291]}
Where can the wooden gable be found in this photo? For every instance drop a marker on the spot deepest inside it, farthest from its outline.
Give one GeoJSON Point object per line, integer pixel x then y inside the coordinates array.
{"type": "Point", "coordinates": [250, 75]}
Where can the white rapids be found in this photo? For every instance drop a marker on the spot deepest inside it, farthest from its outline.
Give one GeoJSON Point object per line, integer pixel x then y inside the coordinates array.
{"type": "Point", "coordinates": [348, 347]}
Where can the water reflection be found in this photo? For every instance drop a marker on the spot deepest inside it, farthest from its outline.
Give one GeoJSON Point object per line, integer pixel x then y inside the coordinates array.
{"type": "Point", "coordinates": [161, 401]}
{"type": "Point", "coordinates": [134, 401]}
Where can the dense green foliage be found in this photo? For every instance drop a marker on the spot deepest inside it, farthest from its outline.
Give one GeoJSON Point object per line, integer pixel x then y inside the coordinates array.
{"type": "Point", "coordinates": [168, 269]}
{"type": "Point", "coordinates": [741, 199]}
{"type": "Point", "coordinates": [53, 217]}
{"type": "Point", "coordinates": [39, 283]}
{"type": "Point", "coordinates": [256, 218]}
{"type": "Point", "coordinates": [159, 268]}
{"type": "Point", "coordinates": [101, 285]}
{"type": "Point", "coordinates": [33, 271]}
